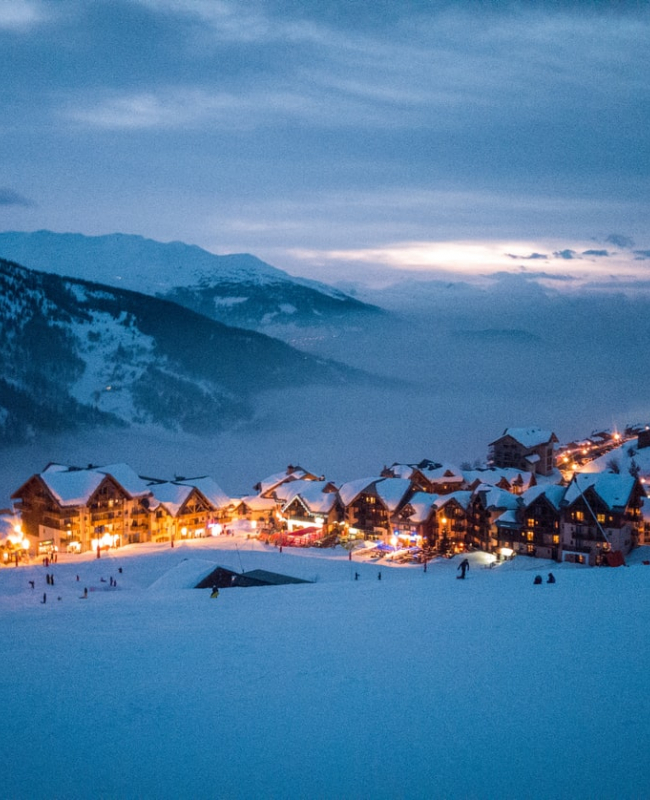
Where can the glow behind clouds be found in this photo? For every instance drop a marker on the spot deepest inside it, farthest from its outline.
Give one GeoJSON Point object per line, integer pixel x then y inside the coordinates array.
{"type": "Point", "coordinates": [334, 136]}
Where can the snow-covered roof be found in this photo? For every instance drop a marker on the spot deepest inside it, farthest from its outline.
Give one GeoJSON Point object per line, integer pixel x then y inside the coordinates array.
{"type": "Point", "coordinates": [613, 489]}
{"type": "Point", "coordinates": [171, 495]}
{"type": "Point", "coordinates": [463, 498]}
{"type": "Point", "coordinates": [401, 470]}
{"type": "Point", "coordinates": [73, 487]}
{"type": "Point", "coordinates": [422, 503]}
{"type": "Point", "coordinates": [497, 498]}
{"type": "Point", "coordinates": [392, 491]}
{"type": "Point", "coordinates": [553, 493]}
{"type": "Point", "coordinates": [528, 437]}
{"type": "Point", "coordinates": [290, 474]}
{"type": "Point", "coordinates": [312, 495]}
{"type": "Point", "coordinates": [258, 503]}
{"type": "Point", "coordinates": [128, 479]}
{"type": "Point", "coordinates": [210, 489]}
{"type": "Point", "coordinates": [447, 473]}
{"type": "Point", "coordinates": [508, 518]}
{"type": "Point", "coordinates": [493, 475]}
{"type": "Point", "coordinates": [351, 490]}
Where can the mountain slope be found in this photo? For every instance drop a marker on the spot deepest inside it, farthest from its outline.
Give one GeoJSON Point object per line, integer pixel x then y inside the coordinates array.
{"type": "Point", "coordinates": [77, 352]}
{"type": "Point", "coordinates": [236, 289]}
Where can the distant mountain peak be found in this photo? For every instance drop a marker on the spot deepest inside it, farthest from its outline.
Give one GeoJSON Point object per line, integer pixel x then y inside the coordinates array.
{"type": "Point", "coordinates": [267, 297]}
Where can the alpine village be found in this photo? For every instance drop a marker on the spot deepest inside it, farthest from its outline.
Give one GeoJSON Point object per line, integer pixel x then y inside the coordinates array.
{"type": "Point", "coordinates": [583, 502]}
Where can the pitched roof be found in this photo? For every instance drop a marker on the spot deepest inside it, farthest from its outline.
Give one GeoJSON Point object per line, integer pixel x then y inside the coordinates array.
{"type": "Point", "coordinates": [351, 490]}
{"type": "Point", "coordinates": [528, 437]}
{"type": "Point", "coordinates": [74, 487]}
{"type": "Point", "coordinates": [491, 497]}
{"type": "Point", "coordinates": [613, 489]}
{"type": "Point", "coordinates": [312, 495]}
{"type": "Point", "coordinates": [171, 495]}
{"type": "Point", "coordinates": [128, 479]}
{"type": "Point", "coordinates": [551, 491]}
{"type": "Point", "coordinates": [392, 491]}
{"type": "Point", "coordinates": [210, 489]}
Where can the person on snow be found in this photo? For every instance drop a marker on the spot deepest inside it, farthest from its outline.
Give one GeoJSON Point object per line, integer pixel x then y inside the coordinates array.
{"type": "Point", "coordinates": [551, 578]}
{"type": "Point", "coordinates": [463, 567]}
{"type": "Point", "coordinates": [538, 579]}
{"type": "Point", "coordinates": [215, 592]}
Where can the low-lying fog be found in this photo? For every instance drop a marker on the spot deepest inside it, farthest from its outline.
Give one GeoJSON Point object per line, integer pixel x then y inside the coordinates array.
{"type": "Point", "coordinates": [460, 363]}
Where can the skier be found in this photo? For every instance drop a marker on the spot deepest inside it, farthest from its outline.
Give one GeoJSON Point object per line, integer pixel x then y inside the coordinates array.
{"type": "Point", "coordinates": [215, 592]}
{"type": "Point", "coordinates": [463, 567]}
{"type": "Point", "coordinates": [551, 578]}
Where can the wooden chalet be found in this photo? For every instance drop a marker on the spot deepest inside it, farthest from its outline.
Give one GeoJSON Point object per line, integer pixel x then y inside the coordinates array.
{"type": "Point", "coordinates": [541, 514]}
{"type": "Point", "coordinates": [527, 449]}
{"type": "Point", "coordinates": [435, 522]}
{"type": "Point", "coordinates": [602, 513]}
{"type": "Point", "coordinates": [268, 486]}
{"type": "Point", "coordinates": [370, 503]}
{"type": "Point", "coordinates": [73, 509]}
{"type": "Point", "coordinates": [488, 505]}
{"type": "Point", "coordinates": [428, 476]}
{"type": "Point", "coordinates": [180, 511]}
{"type": "Point", "coordinates": [507, 478]}
{"type": "Point", "coordinates": [309, 503]}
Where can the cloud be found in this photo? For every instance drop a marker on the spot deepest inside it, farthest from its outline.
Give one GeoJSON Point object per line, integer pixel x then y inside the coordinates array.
{"type": "Point", "coordinates": [641, 255]}
{"type": "Point", "coordinates": [21, 15]}
{"type": "Point", "coordinates": [8, 197]}
{"type": "Point", "coordinates": [535, 275]}
{"type": "Point", "coordinates": [619, 240]}
{"type": "Point", "coordinates": [566, 254]}
{"type": "Point", "coordinates": [531, 257]}
{"type": "Point", "coordinates": [595, 252]}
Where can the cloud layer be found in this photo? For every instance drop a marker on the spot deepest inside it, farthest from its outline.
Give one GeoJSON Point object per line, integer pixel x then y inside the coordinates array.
{"type": "Point", "coordinates": [280, 126]}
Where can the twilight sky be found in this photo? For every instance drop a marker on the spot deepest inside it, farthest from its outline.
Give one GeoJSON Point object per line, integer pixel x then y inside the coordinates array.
{"type": "Point", "coordinates": [334, 138]}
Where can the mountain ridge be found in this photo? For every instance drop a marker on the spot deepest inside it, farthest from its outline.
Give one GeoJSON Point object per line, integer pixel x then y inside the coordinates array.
{"type": "Point", "coordinates": [79, 352]}
{"type": "Point", "coordinates": [237, 289]}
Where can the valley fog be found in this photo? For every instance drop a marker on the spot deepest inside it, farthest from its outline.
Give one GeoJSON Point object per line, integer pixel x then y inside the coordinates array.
{"type": "Point", "coordinates": [460, 365]}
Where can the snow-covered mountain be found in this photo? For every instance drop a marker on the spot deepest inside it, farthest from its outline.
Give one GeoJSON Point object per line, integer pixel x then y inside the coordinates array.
{"type": "Point", "coordinates": [76, 352]}
{"type": "Point", "coordinates": [238, 289]}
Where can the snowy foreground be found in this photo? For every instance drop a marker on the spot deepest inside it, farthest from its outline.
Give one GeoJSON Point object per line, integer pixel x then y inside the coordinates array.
{"type": "Point", "coordinates": [417, 685]}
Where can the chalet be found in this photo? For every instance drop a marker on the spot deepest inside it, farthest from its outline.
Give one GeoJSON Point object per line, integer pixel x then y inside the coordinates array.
{"type": "Point", "coordinates": [441, 478]}
{"type": "Point", "coordinates": [527, 449]}
{"type": "Point", "coordinates": [415, 522]}
{"type": "Point", "coordinates": [268, 486]}
{"type": "Point", "coordinates": [370, 503]}
{"type": "Point", "coordinates": [601, 514]}
{"type": "Point", "coordinates": [427, 476]}
{"type": "Point", "coordinates": [76, 509]}
{"type": "Point", "coordinates": [541, 516]}
{"type": "Point", "coordinates": [308, 503]}
{"type": "Point", "coordinates": [488, 505]}
{"type": "Point", "coordinates": [223, 507]}
{"type": "Point", "coordinates": [509, 479]}
{"type": "Point", "coordinates": [180, 511]}
{"type": "Point", "coordinates": [438, 522]}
